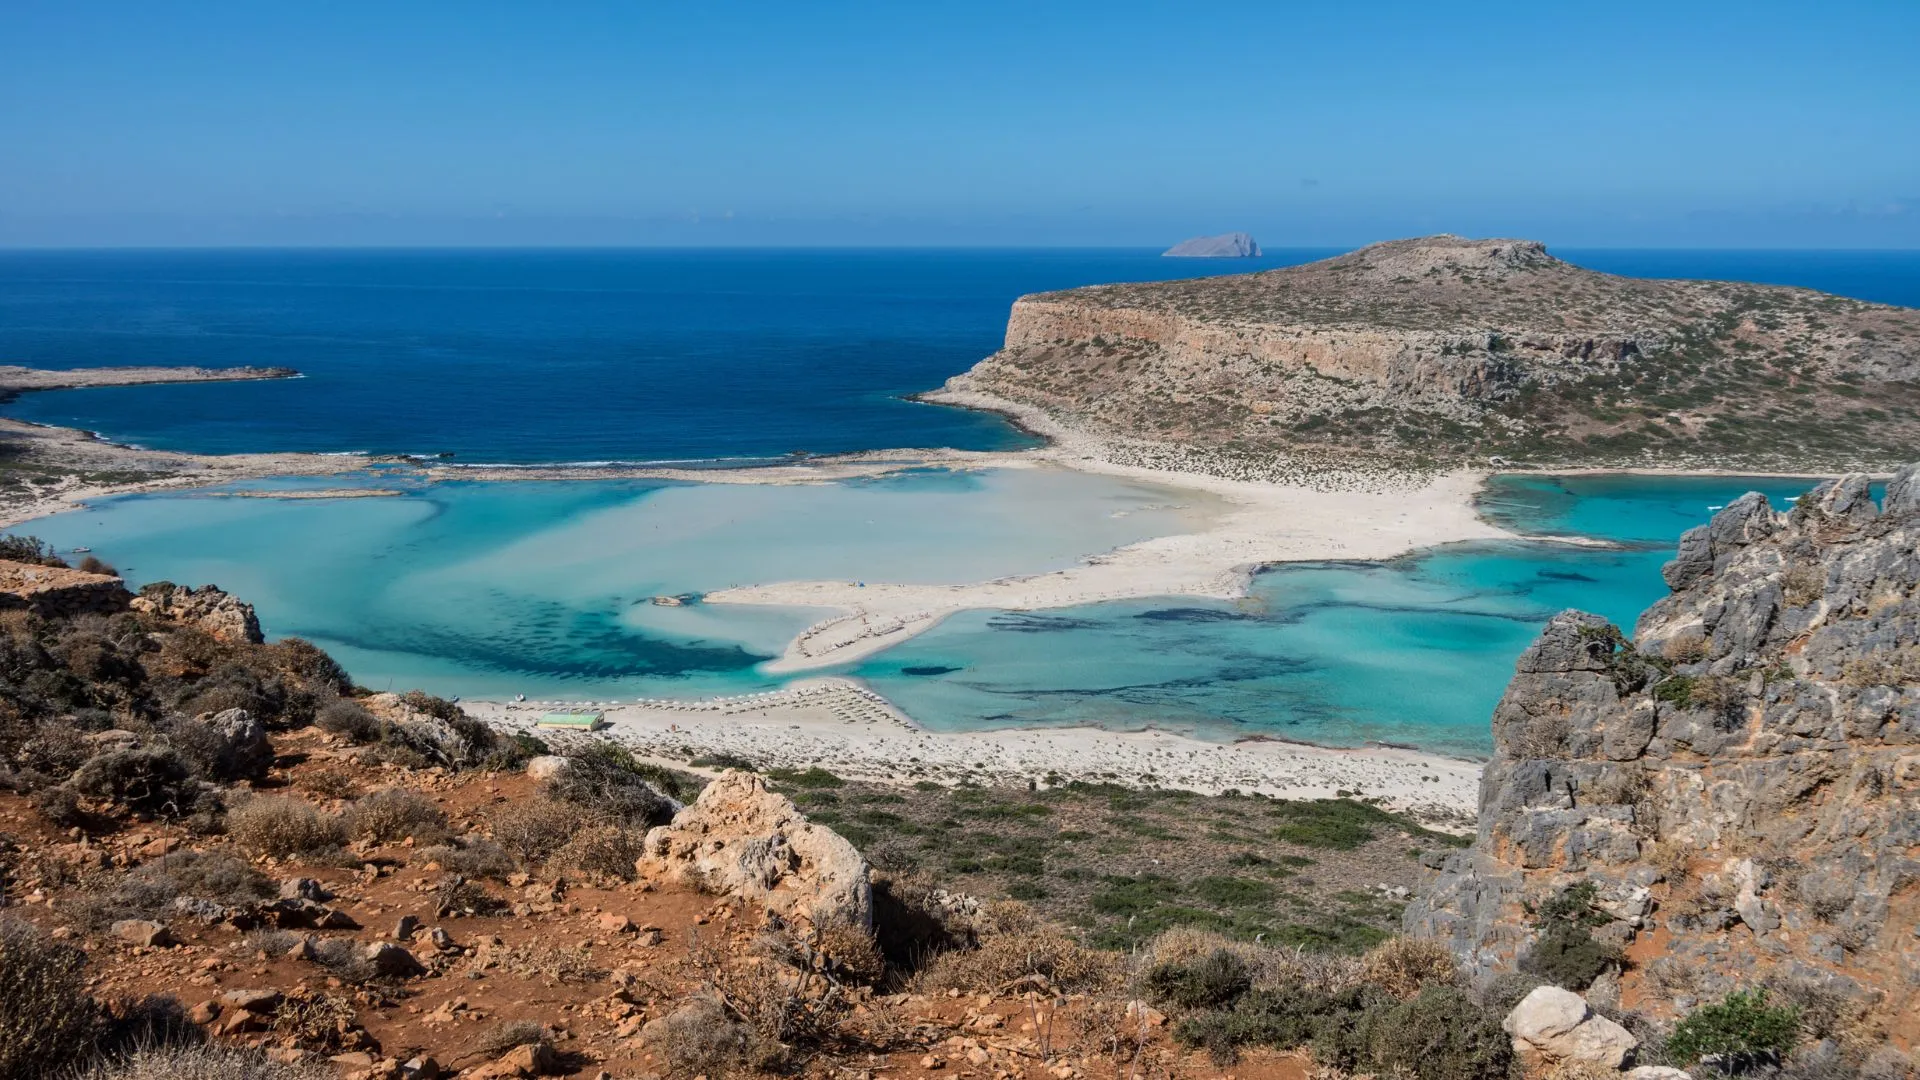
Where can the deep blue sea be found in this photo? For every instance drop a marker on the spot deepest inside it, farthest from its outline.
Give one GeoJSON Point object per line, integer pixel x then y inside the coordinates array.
{"type": "Point", "coordinates": [488, 589]}
{"type": "Point", "coordinates": [520, 356]}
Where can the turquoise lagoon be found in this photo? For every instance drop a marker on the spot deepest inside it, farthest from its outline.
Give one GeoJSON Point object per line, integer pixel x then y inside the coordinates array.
{"type": "Point", "coordinates": [543, 588]}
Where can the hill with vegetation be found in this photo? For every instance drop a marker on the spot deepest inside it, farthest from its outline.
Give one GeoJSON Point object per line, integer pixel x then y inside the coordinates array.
{"type": "Point", "coordinates": [1447, 350]}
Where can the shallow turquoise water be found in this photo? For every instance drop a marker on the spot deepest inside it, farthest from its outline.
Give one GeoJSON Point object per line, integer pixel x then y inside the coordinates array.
{"type": "Point", "coordinates": [489, 589]}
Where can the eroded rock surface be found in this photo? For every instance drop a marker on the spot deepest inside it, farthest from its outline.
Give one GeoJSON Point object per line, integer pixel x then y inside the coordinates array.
{"type": "Point", "coordinates": [740, 839]}
{"type": "Point", "coordinates": [1743, 776]}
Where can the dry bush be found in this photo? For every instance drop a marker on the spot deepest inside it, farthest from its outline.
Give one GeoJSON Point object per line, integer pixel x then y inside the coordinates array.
{"type": "Point", "coordinates": [1672, 858]}
{"type": "Point", "coordinates": [1540, 737]}
{"type": "Point", "coordinates": [46, 1018]}
{"type": "Point", "coordinates": [606, 852]}
{"type": "Point", "coordinates": [456, 896]}
{"type": "Point", "coordinates": [317, 1020]}
{"type": "Point", "coordinates": [282, 827]}
{"type": "Point", "coordinates": [394, 814]}
{"type": "Point", "coordinates": [1574, 1069]}
{"type": "Point", "coordinates": [1802, 584]}
{"type": "Point", "coordinates": [1685, 647]}
{"type": "Point", "coordinates": [332, 783]}
{"type": "Point", "coordinates": [1404, 966]}
{"type": "Point", "coordinates": [348, 719]}
{"type": "Point", "coordinates": [700, 1038]}
{"type": "Point", "coordinates": [1268, 967]}
{"type": "Point", "coordinates": [536, 828]}
{"type": "Point", "coordinates": [469, 857]}
{"type": "Point", "coordinates": [1015, 944]}
{"type": "Point", "coordinates": [505, 1036]}
{"type": "Point", "coordinates": [144, 780]}
{"type": "Point", "coordinates": [344, 958]}
{"type": "Point", "coordinates": [207, 1062]}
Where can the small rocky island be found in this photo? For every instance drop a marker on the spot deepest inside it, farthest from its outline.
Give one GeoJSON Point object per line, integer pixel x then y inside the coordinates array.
{"type": "Point", "coordinates": [1233, 245]}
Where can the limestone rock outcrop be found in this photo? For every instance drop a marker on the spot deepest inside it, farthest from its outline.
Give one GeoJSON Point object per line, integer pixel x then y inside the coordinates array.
{"type": "Point", "coordinates": [740, 839]}
{"type": "Point", "coordinates": [219, 614]}
{"type": "Point", "coordinates": [1743, 776]}
{"type": "Point", "coordinates": [1558, 1025]}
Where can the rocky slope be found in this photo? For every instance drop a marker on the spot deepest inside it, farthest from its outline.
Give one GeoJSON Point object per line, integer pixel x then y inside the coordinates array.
{"type": "Point", "coordinates": [1447, 348]}
{"type": "Point", "coordinates": [1730, 799]}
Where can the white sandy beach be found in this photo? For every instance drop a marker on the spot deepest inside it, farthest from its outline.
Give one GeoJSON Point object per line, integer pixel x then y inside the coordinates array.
{"type": "Point", "coordinates": [846, 729]}
{"type": "Point", "coordinates": [1263, 523]}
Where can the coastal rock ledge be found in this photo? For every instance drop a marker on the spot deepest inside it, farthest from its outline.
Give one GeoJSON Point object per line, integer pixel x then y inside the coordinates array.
{"type": "Point", "coordinates": [1733, 795]}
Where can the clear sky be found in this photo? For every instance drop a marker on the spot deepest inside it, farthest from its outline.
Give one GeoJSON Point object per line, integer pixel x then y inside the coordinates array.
{"type": "Point", "coordinates": [1764, 123]}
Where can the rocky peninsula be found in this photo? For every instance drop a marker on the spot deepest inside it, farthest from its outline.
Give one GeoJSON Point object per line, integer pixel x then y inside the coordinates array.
{"type": "Point", "coordinates": [1444, 350]}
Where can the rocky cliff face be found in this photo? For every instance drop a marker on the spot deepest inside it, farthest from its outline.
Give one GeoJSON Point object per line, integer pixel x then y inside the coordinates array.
{"type": "Point", "coordinates": [1739, 785]}
{"type": "Point", "coordinates": [1459, 348]}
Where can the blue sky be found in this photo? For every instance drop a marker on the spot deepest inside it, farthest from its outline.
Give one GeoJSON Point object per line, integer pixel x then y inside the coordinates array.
{"type": "Point", "coordinates": [1756, 124]}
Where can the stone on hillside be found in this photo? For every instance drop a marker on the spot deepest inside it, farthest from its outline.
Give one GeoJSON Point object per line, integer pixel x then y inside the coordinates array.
{"type": "Point", "coordinates": [1657, 1072]}
{"type": "Point", "coordinates": [238, 743]}
{"type": "Point", "coordinates": [392, 960]}
{"type": "Point", "coordinates": [547, 767]}
{"type": "Point", "coordinates": [1557, 1024]}
{"type": "Point", "coordinates": [144, 932]}
{"type": "Point", "coordinates": [740, 839]}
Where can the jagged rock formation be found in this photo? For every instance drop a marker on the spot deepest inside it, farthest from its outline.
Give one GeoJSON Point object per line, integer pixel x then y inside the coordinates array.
{"type": "Point", "coordinates": [1740, 784]}
{"type": "Point", "coordinates": [1458, 349]}
{"type": "Point", "coordinates": [1233, 245]}
{"type": "Point", "coordinates": [740, 839]}
{"type": "Point", "coordinates": [224, 617]}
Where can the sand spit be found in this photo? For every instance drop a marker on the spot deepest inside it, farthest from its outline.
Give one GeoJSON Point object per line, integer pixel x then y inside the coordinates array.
{"type": "Point", "coordinates": [1264, 523]}
{"type": "Point", "coordinates": [847, 729]}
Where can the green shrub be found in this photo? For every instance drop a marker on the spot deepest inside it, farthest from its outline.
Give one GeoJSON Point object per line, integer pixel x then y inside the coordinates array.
{"type": "Point", "coordinates": [1741, 1030]}
{"type": "Point", "coordinates": [1441, 1034]}
{"type": "Point", "coordinates": [1213, 981]}
{"type": "Point", "coordinates": [47, 1021]}
{"type": "Point", "coordinates": [1285, 1017]}
{"type": "Point", "coordinates": [29, 549]}
{"type": "Point", "coordinates": [349, 720]}
{"type": "Point", "coordinates": [607, 781]}
{"type": "Point", "coordinates": [812, 776]}
{"type": "Point", "coordinates": [1566, 953]}
{"type": "Point", "coordinates": [1339, 824]}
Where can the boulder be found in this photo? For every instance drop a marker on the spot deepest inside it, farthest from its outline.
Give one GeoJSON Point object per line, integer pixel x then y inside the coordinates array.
{"type": "Point", "coordinates": [254, 1001]}
{"type": "Point", "coordinates": [740, 839]}
{"type": "Point", "coordinates": [389, 959]}
{"type": "Point", "coordinates": [1657, 1072]}
{"type": "Point", "coordinates": [1557, 1024]}
{"type": "Point", "coordinates": [145, 932]}
{"type": "Point", "coordinates": [246, 749]}
{"type": "Point", "coordinates": [547, 767]}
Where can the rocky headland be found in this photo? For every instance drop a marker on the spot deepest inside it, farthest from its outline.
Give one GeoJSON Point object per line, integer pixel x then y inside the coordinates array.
{"type": "Point", "coordinates": [1449, 350]}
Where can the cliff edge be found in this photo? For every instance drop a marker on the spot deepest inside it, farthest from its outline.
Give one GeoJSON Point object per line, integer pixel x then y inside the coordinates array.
{"type": "Point", "coordinates": [1453, 350]}
{"type": "Point", "coordinates": [1730, 799]}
